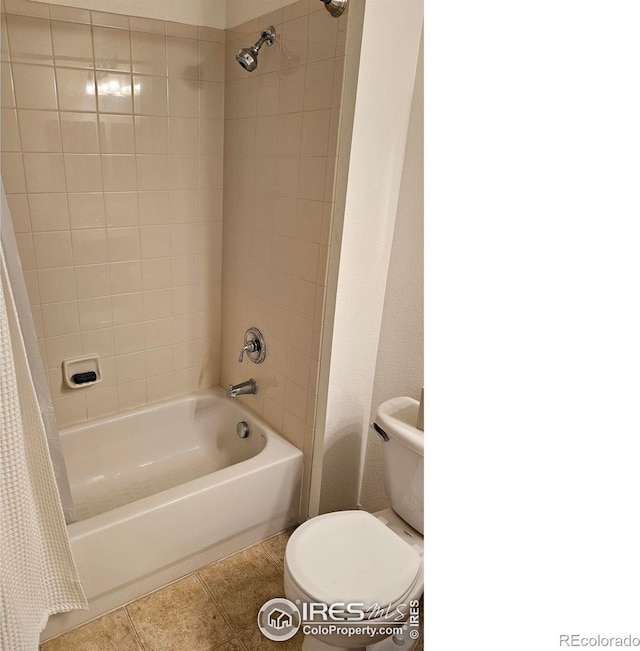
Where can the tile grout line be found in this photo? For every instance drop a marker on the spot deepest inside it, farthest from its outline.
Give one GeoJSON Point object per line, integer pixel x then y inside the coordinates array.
{"type": "Point", "coordinates": [242, 644]}
{"type": "Point", "coordinates": [234, 634]}
{"type": "Point", "coordinates": [133, 627]}
{"type": "Point", "coordinates": [215, 603]}
{"type": "Point", "coordinates": [271, 558]}
{"type": "Point", "coordinates": [237, 632]}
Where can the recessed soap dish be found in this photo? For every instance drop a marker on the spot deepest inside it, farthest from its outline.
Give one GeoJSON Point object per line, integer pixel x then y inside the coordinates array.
{"type": "Point", "coordinates": [81, 372]}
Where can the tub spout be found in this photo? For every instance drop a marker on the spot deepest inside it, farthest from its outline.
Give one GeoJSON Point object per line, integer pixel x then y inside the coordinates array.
{"type": "Point", "coordinates": [242, 389]}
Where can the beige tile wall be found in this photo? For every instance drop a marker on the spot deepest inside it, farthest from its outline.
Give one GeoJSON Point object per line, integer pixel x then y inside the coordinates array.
{"type": "Point", "coordinates": [112, 145]}
{"type": "Point", "coordinates": [113, 131]}
{"type": "Point", "coordinates": [281, 132]}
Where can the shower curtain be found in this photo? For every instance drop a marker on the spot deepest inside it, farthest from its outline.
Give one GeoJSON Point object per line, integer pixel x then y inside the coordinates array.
{"type": "Point", "coordinates": [38, 374]}
{"type": "Point", "coordinates": [38, 576]}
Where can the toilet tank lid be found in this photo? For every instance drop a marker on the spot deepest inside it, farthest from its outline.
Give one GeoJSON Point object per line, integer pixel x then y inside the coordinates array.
{"type": "Point", "coordinates": [351, 557]}
{"type": "Point", "coordinates": [398, 418]}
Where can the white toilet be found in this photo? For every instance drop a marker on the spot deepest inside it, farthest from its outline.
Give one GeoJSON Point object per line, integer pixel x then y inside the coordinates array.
{"type": "Point", "coordinates": [351, 557]}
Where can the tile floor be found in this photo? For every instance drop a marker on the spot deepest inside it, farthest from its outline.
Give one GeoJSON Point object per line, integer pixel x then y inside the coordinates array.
{"type": "Point", "coordinates": [212, 609]}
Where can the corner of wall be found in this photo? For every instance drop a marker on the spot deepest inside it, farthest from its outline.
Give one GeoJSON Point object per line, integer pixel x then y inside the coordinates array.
{"type": "Point", "coordinates": [371, 202]}
{"type": "Point", "coordinates": [203, 13]}
{"type": "Point", "coordinates": [400, 360]}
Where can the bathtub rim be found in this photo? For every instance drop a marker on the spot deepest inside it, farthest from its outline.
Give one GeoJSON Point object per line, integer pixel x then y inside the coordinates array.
{"type": "Point", "coordinates": [276, 449]}
{"type": "Point", "coordinates": [217, 392]}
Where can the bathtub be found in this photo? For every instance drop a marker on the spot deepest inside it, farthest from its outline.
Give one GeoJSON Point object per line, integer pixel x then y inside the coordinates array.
{"type": "Point", "coordinates": [165, 489]}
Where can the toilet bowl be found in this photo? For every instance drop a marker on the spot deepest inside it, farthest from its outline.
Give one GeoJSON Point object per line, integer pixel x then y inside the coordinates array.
{"type": "Point", "coordinates": [356, 577]}
{"type": "Point", "coordinates": [368, 569]}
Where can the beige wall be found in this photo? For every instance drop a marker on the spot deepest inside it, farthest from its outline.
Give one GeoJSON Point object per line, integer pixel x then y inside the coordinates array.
{"type": "Point", "coordinates": [400, 364]}
{"type": "Point", "coordinates": [242, 11]}
{"type": "Point", "coordinates": [209, 13]}
{"type": "Point", "coordinates": [361, 257]}
{"type": "Point", "coordinates": [116, 197]}
{"type": "Point", "coordinates": [118, 207]}
{"type": "Point", "coordinates": [220, 14]}
{"type": "Point", "coordinates": [280, 156]}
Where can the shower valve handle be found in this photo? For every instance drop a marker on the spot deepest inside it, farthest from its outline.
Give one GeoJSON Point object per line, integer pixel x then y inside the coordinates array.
{"type": "Point", "coordinates": [251, 347]}
{"type": "Point", "coordinates": [254, 346]}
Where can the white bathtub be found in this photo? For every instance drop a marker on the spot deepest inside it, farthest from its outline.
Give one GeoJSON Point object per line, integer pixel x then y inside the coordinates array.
{"type": "Point", "coordinates": [167, 488]}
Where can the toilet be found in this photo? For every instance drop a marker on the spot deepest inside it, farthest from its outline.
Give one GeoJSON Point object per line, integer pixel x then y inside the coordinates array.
{"type": "Point", "coordinates": [353, 569]}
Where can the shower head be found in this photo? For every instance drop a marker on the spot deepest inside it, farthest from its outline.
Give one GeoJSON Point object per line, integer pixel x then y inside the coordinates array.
{"type": "Point", "coordinates": [247, 57]}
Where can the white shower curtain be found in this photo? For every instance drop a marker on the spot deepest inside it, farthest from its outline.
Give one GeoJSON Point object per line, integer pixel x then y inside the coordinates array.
{"type": "Point", "coordinates": [38, 374]}
{"type": "Point", "coordinates": [38, 576]}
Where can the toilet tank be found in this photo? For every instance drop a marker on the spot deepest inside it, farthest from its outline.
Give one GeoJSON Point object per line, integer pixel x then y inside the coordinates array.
{"type": "Point", "coordinates": [403, 458]}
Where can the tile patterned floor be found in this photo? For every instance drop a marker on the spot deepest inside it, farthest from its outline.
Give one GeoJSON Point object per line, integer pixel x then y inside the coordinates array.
{"type": "Point", "coordinates": [212, 609]}
{"type": "Point", "coordinates": [215, 608]}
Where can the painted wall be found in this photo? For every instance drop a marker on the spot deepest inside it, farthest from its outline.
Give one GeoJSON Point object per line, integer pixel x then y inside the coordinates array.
{"type": "Point", "coordinates": [206, 13]}
{"type": "Point", "coordinates": [220, 14]}
{"type": "Point", "coordinates": [400, 364]}
{"type": "Point", "coordinates": [112, 144]}
{"type": "Point", "coordinates": [377, 156]}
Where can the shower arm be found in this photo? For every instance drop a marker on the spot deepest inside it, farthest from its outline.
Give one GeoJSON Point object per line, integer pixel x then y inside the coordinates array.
{"type": "Point", "coordinates": [266, 37]}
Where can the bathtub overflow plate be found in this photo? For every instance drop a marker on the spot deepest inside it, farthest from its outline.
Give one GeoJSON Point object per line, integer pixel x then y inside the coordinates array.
{"type": "Point", "coordinates": [242, 429]}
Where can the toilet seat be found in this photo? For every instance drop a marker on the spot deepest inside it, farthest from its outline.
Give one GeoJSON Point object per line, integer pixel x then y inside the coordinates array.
{"type": "Point", "coordinates": [351, 557]}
